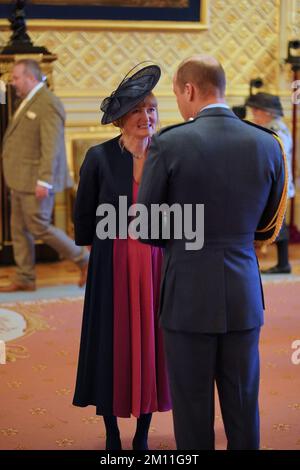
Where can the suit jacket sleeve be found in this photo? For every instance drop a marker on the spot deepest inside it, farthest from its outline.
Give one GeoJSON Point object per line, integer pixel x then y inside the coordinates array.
{"type": "Point", "coordinates": [153, 187]}
{"type": "Point", "coordinates": [52, 137]}
{"type": "Point", "coordinates": [273, 215]}
{"type": "Point", "coordinates": [87, 200]}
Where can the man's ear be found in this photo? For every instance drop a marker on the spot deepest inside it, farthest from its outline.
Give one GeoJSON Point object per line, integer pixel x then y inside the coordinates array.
{"type": "Point", "coordinates": [30, 76]}
{"type": "Point", "coordinates": [189, 91]}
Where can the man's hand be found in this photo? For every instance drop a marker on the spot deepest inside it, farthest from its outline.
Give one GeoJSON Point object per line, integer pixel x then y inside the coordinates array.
{"type": "Point", "coordinates": [41, 192]}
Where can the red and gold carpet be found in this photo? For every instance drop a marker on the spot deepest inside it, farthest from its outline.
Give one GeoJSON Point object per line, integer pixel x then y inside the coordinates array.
{"type": "Point", "coordinates": [37, 383]}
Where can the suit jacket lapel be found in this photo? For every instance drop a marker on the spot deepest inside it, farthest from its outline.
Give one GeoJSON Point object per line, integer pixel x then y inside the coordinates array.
{"type": "Point", "coordinates": [122, 168]}
{"type": "Point", "coordinates": [14, 122]}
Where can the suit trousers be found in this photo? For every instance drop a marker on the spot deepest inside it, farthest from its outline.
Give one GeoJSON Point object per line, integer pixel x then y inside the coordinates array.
{"type": "Point", "coordinates": [196, 362]}
{"type": "Point", "coordinates": [30, 220]}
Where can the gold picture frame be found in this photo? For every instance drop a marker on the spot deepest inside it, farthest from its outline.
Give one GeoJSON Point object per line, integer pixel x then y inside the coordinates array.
{"type": "Point", "coordinates": [116, 24]}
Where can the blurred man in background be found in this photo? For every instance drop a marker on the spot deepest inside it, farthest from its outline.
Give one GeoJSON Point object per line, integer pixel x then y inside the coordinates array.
{"type": "Point", "coordinates": [35, 168]}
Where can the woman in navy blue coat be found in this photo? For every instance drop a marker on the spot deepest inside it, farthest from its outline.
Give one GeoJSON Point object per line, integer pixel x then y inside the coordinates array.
{"type": "Point", "coordinates": [121, 366]}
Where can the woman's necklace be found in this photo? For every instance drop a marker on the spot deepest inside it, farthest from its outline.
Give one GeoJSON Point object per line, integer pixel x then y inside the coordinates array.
{"type": "Point", "coordinates": [138, 157]}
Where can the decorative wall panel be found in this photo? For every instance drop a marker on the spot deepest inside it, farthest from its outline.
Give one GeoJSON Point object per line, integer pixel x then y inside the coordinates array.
{"type": "Point", "coordinates": [249, 37]}
{"type": "Point", "coordinates": [243, 34]}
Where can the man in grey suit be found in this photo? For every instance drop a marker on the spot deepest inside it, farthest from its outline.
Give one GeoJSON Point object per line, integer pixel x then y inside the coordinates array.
{"type": "Point", "coordinates": [211, 306]}
{"type": "Point", "coordinates": [35, 167]}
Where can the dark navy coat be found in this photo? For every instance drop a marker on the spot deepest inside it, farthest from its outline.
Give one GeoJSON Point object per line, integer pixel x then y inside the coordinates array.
{"type": "Point", "coordinates": [106, 174]}
{"type": "Point", "coordinates": [237, 171]}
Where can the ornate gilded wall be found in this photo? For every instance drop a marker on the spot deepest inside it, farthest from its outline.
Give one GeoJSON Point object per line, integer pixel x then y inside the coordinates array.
{"type": "Point", "coordinates": [248, 36]}
{"type": "Point", "coordinates": [243, 34]}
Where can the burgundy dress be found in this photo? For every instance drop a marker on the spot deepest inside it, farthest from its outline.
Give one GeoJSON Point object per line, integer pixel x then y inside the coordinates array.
{"type": "Point", "coordinates": [140, 383]}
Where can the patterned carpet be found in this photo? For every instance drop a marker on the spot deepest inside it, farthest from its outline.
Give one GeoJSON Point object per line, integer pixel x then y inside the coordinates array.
{"type": "Point", "coordinates": [36, 384]}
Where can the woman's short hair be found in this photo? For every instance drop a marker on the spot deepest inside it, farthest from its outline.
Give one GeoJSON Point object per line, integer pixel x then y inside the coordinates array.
{"type": "Point", "coordinates": [119, 122]}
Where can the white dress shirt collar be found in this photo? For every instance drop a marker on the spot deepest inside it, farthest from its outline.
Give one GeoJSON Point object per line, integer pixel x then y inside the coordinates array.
{"type": "Point", "coordinates": [28, 98]}
{"type": "Point", "coordinates": [33, 91]}
{"type": "Point", "coordinates": [215, 105]}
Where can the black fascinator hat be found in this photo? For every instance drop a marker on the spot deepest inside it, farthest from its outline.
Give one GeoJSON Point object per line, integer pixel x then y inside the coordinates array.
{"type": "Point", "coordinates": [131, 91]}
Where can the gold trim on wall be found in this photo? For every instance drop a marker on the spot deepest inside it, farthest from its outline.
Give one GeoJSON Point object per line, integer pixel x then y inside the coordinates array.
{"type": "Point", "coordinates": [120, 25]}
{"type": "Point", "coordinates": [167, 93]}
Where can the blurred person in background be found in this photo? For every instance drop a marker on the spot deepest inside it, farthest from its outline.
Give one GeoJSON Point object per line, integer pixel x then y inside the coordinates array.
{"type": "Point", "coordinates": [267, 112]}
{"type": "Point", "coordinates": [35, 168]}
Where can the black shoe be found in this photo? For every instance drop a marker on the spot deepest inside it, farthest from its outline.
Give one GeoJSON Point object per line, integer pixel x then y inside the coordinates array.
{"type": "Point", "coordinates": [278, 270]}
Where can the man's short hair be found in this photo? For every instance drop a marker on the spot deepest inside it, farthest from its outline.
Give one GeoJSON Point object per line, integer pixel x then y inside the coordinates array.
{"type": "Point", "coordinates": [31, 66]}
{"type": "Point", "coordinates": [206, 73]}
